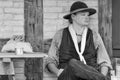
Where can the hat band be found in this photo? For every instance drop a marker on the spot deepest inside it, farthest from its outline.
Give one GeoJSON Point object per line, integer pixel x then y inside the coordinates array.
{"type": "Point", "coordinates": [79, 10]}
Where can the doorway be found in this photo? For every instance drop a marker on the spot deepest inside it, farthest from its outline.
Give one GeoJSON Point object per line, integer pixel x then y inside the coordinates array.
{"type": "Point", "coordinates": [116, 28]}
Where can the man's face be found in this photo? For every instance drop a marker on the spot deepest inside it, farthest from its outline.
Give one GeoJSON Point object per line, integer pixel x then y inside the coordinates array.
{"type": "Point", "coordinates": [81, 18]}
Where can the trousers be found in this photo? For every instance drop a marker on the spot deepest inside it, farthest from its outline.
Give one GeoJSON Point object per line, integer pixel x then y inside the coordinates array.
{"type": "Point", "coordinates": [77, 70]}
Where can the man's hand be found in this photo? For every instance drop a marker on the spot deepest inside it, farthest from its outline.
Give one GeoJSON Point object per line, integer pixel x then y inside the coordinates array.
{"type": "Point", "coordinates": [52, 67]}
{"type": "Point", "coordinates": [104, 70]}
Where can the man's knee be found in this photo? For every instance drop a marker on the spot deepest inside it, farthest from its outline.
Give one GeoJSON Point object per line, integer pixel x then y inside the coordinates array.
{"type": "Point", "coordinates": [73, 63]}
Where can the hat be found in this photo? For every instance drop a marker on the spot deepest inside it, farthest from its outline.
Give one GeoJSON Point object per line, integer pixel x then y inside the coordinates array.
{"type": "Point", "coordinates": [79, 7]}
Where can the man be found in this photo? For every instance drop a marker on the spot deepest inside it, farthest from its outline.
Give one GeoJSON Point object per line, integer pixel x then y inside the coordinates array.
{"type": "Point", "coordinates": [76, 52]}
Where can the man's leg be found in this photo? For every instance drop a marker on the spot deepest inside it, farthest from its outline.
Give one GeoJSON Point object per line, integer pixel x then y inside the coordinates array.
{"type": "Point", "coordinates": [84, 71]}
{"type": "Point", "coordinates": [68, 74]}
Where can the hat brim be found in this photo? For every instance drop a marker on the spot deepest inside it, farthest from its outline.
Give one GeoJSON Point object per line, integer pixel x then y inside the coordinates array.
{"type": "Point", "coordinates": [90, 10]}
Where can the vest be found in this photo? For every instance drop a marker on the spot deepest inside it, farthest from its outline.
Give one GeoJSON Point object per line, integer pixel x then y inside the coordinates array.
{"type": "Point", "coordinates": [67, 50]}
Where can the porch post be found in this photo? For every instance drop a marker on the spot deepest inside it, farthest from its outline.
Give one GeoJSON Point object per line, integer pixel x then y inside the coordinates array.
{"type": "Point", "coordinates": [105, 24]}
{"type": "Point", "coordinates": [34, 34]}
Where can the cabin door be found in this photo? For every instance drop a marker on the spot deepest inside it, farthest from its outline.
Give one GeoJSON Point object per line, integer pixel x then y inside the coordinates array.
{"type": "Point", "coordinates": [116, 27]}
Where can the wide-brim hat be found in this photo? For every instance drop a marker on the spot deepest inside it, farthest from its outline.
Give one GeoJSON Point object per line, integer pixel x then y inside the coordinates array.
{"type": "Point", "coordinates": [79, 7]}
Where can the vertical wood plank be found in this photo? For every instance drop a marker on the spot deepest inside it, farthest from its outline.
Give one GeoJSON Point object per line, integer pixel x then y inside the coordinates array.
{"type": "Point", "coordinates": [34, 34]}
{"type": "Point", "coordinates": [34, 69]}
{"type": "Point", "coordinates": [34, 24]}
{"type": "Point", "coordinates": [105, 24]}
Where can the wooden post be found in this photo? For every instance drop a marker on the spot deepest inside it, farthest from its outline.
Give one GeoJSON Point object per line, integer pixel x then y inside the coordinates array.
{"type": "Point", "coordinates": [34, 23]}
{"type": "Point", "coordinates": [105, 24]}
{"type": "Point", "coordinates": [34, 34]}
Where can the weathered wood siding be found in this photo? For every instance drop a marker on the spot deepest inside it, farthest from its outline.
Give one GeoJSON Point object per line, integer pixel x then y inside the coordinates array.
{"type": "Point", "coordinates": [105, 24]}
{"type": "Point", "coordinates": [34, 34]}
{"type": "Point", "coordinates": [19, 69]}
{"type": "Point", "coordinates": [34, 23]}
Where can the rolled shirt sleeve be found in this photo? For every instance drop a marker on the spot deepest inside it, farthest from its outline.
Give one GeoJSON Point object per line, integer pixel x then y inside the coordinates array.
{"type": "Point", "coordinates": [102, 56]}
{"type": "Point", "coordinates": [53, 53]}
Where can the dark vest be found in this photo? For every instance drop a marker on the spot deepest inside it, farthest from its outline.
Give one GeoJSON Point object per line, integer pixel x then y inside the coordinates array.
{"type": "Point", "coordinates": [67, 50]}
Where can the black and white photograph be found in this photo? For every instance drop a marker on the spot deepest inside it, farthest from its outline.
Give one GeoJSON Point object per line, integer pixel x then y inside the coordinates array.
{"type": "Point", "coordinates": [59, 40]}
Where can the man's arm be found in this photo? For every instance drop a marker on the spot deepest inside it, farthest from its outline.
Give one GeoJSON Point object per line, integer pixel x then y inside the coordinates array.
{"type": "Point", "coordinates": [102, 56]}
{"type": "Point", "coordinates": [53, 59]}
{"type": "Point", "coordinates": [52, 67]}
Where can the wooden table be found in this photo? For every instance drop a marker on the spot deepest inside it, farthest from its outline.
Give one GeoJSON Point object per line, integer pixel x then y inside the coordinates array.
{"type": "Point", "coordinates": [32, 60]}
{"type": "Point", "coordinates": [25, 55]}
